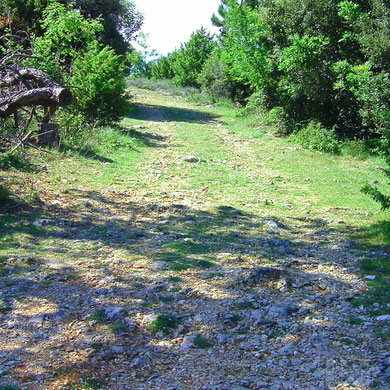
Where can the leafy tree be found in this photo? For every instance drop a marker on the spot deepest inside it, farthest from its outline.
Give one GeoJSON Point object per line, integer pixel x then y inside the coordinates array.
{"type": "Point", "coordinates": [120, 19]}
{"type": "Point", "coordinates": [163, 68]}
{"type": "Point", "coordinates": [245, 47]}
{"type": "Point", "coordinates": [66, 34]}
{"type": "Point", "coordinates": [188, 61]}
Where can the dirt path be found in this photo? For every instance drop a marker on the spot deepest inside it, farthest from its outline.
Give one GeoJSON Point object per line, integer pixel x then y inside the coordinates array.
{"type": "Point", "coordinates": [164, 280]}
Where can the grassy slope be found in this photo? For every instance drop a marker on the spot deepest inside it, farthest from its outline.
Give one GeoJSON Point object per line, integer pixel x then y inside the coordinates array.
{"type": "Point", "coordinates": [240, 166]}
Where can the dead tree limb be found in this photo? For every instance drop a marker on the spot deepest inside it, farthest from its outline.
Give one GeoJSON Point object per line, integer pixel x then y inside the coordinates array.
{"type": "Point", "coordinates": [46, 97]}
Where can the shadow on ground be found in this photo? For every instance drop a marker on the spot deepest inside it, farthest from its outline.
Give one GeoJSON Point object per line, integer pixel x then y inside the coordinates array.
{"type": "Point", "coordinates": [154, 113]}
{"type": "Point", "coordinates": [64, 271]}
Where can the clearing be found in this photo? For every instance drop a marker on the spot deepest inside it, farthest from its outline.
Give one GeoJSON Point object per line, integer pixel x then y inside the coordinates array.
{"type": "Point", "coordinates": [202, 253]}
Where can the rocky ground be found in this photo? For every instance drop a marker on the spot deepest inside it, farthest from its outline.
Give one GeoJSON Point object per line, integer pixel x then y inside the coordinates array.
{"type": "Point", "coordinates": [211, 299]}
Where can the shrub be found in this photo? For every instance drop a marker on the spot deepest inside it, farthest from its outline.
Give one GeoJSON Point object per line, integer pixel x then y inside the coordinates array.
{"type": "Point", "coordinates": [277, 119]}
{"type": "Point", "coordinates": [162, 68]}
{"type": "Point", "coordinates": [100, 84]}
{"type": "Point", "coordinates": [214, 79]}
{"type": "Point", "coordinates": [315, 136]}
{"type": "Point", "coordinates": [164, 323]}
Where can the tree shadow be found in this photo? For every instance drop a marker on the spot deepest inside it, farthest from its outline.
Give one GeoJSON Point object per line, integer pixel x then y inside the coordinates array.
{"type": "Point", "coordinates": [155, 113]}
{"type": "Point", "coordinates": [144, 138]}
{"type": "Point", "coordinates": [203, 267]}
{"type": "Point", "coordinates": [85, 153]}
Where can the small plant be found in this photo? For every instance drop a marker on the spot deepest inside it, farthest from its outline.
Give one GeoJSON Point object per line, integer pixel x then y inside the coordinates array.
{"type": "Point", "coordinates": [4, 195]}
{"type": "Point", "coordinates": [353, 320]}
{"type": "Point", "coordinates": [164, 323]}
{"type": "Point", "coordinates": [63, 371]}
{"type": "Point", "coordinates": [245, 305]}
{"type": "Point", "coordinates": [9, 387]}
{"type": "Point", "coordinates": [174, 279]}
{"type": "Point", "coordinates": [167, 299]}
{"type": "Point", "coordinates": [315, 136]}
{"type": "Point", "coordinates": [118, 328]}
{"type": "Point", "coordinates": [97, 346]}
{"type": "Point", "coordinates": [181, 266]}
{"type": "Point", "coordinates": [201, 342]}
{"type": "Point", "coordinates": [97, 316]}
{"type": "Point", "coordinates": [204, 264]}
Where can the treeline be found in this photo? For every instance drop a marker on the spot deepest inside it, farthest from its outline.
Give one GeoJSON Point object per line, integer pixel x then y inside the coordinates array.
{"type": "Point", "coordinates": [320, 68]}
{"type": "Point", "coordinates": [83, 45]}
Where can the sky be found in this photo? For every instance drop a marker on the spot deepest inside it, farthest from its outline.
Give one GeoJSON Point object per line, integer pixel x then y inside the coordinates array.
{"type": "Point", "coordinates": [168, 23]}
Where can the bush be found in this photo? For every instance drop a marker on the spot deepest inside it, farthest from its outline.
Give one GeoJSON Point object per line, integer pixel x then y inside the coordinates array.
{"type": "Point", "coordinates": [278, 120]}
{"type": "Point", "coordinates": [315, 136]}
{"type": "Point", "coordinates": [99, 78]}
{"type": "Point", "coordinates": [214, 79]}
{"type": "Point", "coordinates": [162, 68]}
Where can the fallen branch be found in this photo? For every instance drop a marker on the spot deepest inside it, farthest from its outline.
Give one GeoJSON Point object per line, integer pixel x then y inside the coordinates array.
{"type": "Point", "coordinates": [47, 97]}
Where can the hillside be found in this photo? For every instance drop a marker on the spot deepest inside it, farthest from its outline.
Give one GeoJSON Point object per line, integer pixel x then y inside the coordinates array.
{"type": "Point", "coordinates": [197, 251]}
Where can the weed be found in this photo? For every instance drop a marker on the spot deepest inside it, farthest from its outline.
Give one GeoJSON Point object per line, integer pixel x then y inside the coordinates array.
{"type": "Point", "coordinates": [204, 264]}
{"type": "Point", "coordinates": [245, 305]}
{"type": "Point", "coordinates": [201, 342]}
{"type": "Point", "coordinates": [148, 304]}
{"type": "Point", "coordinates": [9, 160]}
{"type": "Point", "coordinates": [167, 299]}
{"type": "Point", "coordinates": [5, 196]}
{"type": "Point", "coordinates": [164, 323]}
{"type": "Point", "coordinates": [97, 346]}
{"type": "Point", "coordinates": [235, 318]}
{"type": "Point", "coordinates": [9, 387]}
{"type": "Point", "coordinates": [63, 371]}
{"type": "Point", "coordinates": [353, 320]}
{"type": "Point", "coordinates": [97, 316]}
{"type": "Point", "coordinates": [180, 266]}
{"type": "Point", "coordinates": [174, 279]}
{"type": "Point", "coordinates": [118, 328]}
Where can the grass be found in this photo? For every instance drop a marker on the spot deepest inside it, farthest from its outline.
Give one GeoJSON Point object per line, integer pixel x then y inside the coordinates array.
{"type": "Point", "coordinates": [201, 342]}
{"type": "Point", "coordinates": [244, 175]}
{"type": "Point", "coordinates": [164, 323]}
{"type": "Point", "coordinates": [97, 316]}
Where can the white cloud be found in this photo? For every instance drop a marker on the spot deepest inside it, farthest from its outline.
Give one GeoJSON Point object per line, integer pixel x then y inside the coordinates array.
{"type": "Point", "coordinates": [168, 23]}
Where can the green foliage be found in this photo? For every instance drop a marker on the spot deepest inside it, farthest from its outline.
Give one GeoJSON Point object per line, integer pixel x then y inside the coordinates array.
{"type": "Point", "coordinates": [201, 342]}
{"type": "Point", "coordinates": [214, 78]}
{"type": "Point", "coordinates": [66, 35]}
{"type": "Point", "coordinates": [120, 19]}
{"type": "Point", "coordinates": [5, 195]}
{"type": "Point", "coordinates": [164, 323]}
{"type": "Point", "coordinates": [245, 47]}
{"type": "Point", "coordinates": [99, 77]}
{"type": "Point", "coordinates": [315, 136]}
{"type": "Point", "coordinates": [304, 84]}
{"type": "Point", "coordinates": [188, 61]}
{"type": "Point", "coordinates": [162, 68]}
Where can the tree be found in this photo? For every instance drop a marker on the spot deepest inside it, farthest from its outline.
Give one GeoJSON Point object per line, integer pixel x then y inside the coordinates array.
{"type": "Point", "coordinates": [120, 19]}
{"type": "Point", "coordinates": [188, 61]}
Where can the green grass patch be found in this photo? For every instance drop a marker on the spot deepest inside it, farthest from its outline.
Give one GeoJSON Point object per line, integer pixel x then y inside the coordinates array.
{"type": "Point", "coordinates": [185, 248]}
{"type": "Point", "coordinates": [174, 279]}
{"type": "Point", "coordinates": [201, 342]}
{"type": "Point", "coordinates": [98, 316]}
{"type": "Point", "coordinates": [183, 266]}
{"type": "Point", "coordinates": [164, 323]}
{"type": "Point", "coordinates": [353, 320]}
